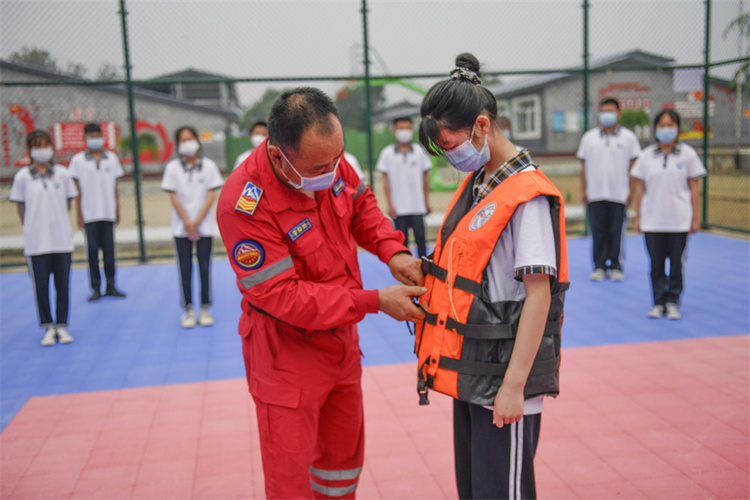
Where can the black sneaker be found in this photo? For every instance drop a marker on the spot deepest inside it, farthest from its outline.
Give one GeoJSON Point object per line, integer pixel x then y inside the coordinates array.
{"type": "Point", "coordinates": [95, 296]}
{"type": "Point", "coordinates": [114, 292]}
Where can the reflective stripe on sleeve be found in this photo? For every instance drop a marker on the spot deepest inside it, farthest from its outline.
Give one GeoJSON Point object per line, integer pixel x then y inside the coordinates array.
{"type": "Point", "coordinates": [336, 475]}
{"type": "Point", "coordinates": [267, 273]}
{"type": "Point", "coordinates": [332, 491]}
{"type": "Point", "coordinates": [360, 189]}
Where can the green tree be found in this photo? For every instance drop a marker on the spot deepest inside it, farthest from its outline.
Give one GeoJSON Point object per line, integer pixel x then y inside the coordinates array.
{"type": "Point", "coordinates": [632, 117]}
{"type": "Point", "coordinates": [742, 24]}
{"type": "Point", "coordinates": [75, 70]}
{"type": "Point", "coordinates": [108, 72]}
{"type": "Point", "coordinates": [260, 110]}
{"type": "Point", "coordinates": [146, 142]}
{"type": "Point", "coordinates": [34, 56]}
{"type": "Point", "coordinates": [350, 102]}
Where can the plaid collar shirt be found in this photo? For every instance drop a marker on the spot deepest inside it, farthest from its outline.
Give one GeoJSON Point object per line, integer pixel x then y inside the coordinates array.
{"type": "Point", "coordinates": [483, 187]}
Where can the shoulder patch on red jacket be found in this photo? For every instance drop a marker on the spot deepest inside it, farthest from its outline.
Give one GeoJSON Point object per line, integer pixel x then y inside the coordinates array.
{"type": "Point", "coordinates": [248, 254]}
{"type": "Point", "coordinates": [249, 199]}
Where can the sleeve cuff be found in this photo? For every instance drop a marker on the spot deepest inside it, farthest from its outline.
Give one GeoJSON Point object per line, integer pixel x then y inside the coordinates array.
{"type": "Point", "coordinates": [368, 300]}
{"type": "Point", "coordinates": [390, 248]}
{"type": "Point", "coordinates": [521, 271]}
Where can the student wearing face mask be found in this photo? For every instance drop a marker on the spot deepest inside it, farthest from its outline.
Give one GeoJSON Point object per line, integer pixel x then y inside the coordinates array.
{"type": "Point", "coordinates": [497, 282]}
{"type": "Point", "coordinates": [258, 134]}
{"type": "Point", "coordinates": [96, 172]}
{"type": "Point", "coordinates": [667, 206]}
{"type": "Point", "coordinates": [406, 180]}
{"type": "Point", "coordinates": [43, 192]}
{"type": "Point", "coordinates": [607, 154]}
{"type": "Point", "coordinates": [191, 180]}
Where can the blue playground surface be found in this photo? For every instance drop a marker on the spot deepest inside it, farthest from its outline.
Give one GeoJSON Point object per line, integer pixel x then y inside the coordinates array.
{"type": "Point", "coordinates": [138, 341]}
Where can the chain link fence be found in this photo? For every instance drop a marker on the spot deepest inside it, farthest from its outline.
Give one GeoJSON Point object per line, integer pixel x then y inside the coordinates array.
{"type": "Point", "coordinates": [219, 65]}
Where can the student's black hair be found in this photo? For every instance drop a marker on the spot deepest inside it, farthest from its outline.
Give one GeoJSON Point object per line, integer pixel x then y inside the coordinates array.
{"type": "Point", "coordinates": [455, 103]}
{"type": "Point", "coordinates": [91, 127]}
{"type": "Point", "coordinates": [259, 123]}
{"type": "Point", "coordinates": [188, 128]}
{"type": "Point", "coordinates": [674, 115]}
{"type": "Point", "coordinates": [296, 111]}
{"type": "Point", "coordinates": [38, 138]}
{"type": "Point", "coordinates": [402, 119]}
{"type": "Point", "coordinates": [610, 100]}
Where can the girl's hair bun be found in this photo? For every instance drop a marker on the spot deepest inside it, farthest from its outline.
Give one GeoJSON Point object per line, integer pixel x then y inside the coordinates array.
{"type": "Point", "coordinates": [468, 61]}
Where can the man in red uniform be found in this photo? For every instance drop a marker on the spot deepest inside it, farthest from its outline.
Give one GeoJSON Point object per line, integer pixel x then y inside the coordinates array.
{"type": "Point", "coordinates": [291, 217]}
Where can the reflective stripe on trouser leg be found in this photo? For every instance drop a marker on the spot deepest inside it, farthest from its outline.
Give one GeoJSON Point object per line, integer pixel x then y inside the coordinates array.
{"type": "Point", "coordinates": [334, 475]}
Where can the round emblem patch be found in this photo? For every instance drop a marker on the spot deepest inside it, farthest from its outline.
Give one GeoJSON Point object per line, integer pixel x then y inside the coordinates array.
{"type": "Point", "coordinates": [482, 216]}
{"type": "Point", "coordinates": [248, 254]}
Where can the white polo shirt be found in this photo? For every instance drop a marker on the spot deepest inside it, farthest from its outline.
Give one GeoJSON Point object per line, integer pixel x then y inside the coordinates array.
{"type": "Point", "coordinates": [608, 158]}
{"type": "Point", "coordinates": [405, 177]}
{"type": "Point", "coordinates": [46, 226]}
{"type": "Point", "coordinates": [667, 205]}
{"type": "Point", "coordinates": [355, 164]}
{"type": "Point", "coordinates": [242, 157]}
{"type": "Point", "coordinates": [97, 180]}
{"type": "Point", "coordinates": [192, 186]}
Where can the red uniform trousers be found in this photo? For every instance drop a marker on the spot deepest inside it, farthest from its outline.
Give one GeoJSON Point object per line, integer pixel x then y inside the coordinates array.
{"type": "Point", "coordinates": [308, 399]}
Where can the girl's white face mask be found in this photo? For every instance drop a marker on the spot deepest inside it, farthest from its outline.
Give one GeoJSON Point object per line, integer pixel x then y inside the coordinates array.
{"type": "Point", "coordinates": [466, 158]}
{"type": "Point", "coordinates": [41, 155]}
{"type": "Point", "coordinates": [188, 148]}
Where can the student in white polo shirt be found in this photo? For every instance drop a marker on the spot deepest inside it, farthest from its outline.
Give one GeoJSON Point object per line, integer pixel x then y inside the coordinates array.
{"type": "Point", "coordinates": [667, 200]}
{"type": "Point", "coordinates": [43, 191]}
{"type": "Point", "coordinates": [96, 172]}
{"type": "Point", "coordinates": [607, 154]}
{"type": "Point", "coordinates": [405, 167]}
{"type": "Point", "coordinates": [258, 134]}
{"type": "Point", "coordinates": [191, 180]}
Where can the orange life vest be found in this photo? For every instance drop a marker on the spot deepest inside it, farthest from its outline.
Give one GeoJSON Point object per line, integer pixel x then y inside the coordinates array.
{"type": "Point", "coordinates": [465, 342]}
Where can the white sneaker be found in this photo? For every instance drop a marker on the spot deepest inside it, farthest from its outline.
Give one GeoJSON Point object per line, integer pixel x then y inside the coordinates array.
{"type": "Point", "coordinates": [205, 318]}
{"type": "Point", "coordinates": [617, 275]}
{"type": "Point", "coordinates": [673, 312]}
{"type": "Point", "coordinates": [656, 312]}
{"type": "Point", "coordinates": [188, 319]}
{"type": "Point", "coordinates": [63, 336]}
{"type": "Point", "coordinates": [50, 337]}
{"type": "Point", "coordinates": [598, 275]}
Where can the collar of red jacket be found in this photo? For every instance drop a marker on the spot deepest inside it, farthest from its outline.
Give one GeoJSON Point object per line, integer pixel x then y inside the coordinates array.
{"type": "Point", "coordinates": [279, 195]}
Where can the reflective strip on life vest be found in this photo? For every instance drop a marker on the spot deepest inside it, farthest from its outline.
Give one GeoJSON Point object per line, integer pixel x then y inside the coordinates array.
{"type": "Point", "coordinates": [495, 369]}
{"type": "Point", "coordinates": [488, 332]}
{"type": "Point", "coordinates": [336, 475]}
{"type": "Point", "coordinates": [332, 491]}
{"type": "Point", "coordinates": [267, 273]}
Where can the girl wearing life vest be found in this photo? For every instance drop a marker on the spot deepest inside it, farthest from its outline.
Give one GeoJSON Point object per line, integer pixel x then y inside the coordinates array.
{"type": "Point", "coordinates": [497, 281]}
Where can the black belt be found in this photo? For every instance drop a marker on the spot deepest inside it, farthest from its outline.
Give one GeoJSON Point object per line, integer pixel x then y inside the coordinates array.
{"type": "Point", "coordinates": [489, 332]}
{"type": "Point", "coordinates": [465, 284]}
{"type": "Point", "coordinates": [545, 367]}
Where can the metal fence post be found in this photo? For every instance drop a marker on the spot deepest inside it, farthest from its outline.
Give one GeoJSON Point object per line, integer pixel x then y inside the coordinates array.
{"type": "Point", "coordinates": [133, 135]}
{"type": "Point", "coordinates": [368, 102]}
{"type": "Point", "coordinates": [585, 77]}
{"type": "Point", "coordinates": [706, 92]}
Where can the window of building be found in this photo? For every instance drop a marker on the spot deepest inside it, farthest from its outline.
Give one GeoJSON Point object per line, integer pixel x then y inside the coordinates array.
{"type": "Point", "coordinates": [527, 114]}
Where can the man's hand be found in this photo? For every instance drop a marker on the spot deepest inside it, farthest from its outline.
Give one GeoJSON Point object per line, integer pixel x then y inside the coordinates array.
{"type": "Point", "coordinates": [508, 406]}
{"type": "Point", "coordinates": [81, 224]}
{"type": "Point", "coordinates": [392, 213]}
{"type": "Point", "coordinates": [396, 302]}
{"type": "Point", "coordinates": [406, 269]}
{"type": "Point", "coordinates": [192, 231]}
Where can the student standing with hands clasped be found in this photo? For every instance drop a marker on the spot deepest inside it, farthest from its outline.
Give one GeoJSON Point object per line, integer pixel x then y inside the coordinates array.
{"type": "Point", "coordinates": [496, 281]}
{"type": "Point", "coordinates": [191, 180]}
{"type": "Point", "coordinates": [43, 192]}
{"type": "Point", "coordinates": [667, 200]}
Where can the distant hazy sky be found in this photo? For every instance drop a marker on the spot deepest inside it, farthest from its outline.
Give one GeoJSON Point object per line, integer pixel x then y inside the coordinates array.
{"type": "Point", "coordinates": [306, 38]}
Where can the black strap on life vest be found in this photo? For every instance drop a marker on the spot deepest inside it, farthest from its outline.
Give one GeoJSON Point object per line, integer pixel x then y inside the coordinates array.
{"type": "Point", "coordinates": [495, 369]}
{"type": "Point", "coordinates": [465, 284]}
{"type": "Point", "coordinates": [489, 332]}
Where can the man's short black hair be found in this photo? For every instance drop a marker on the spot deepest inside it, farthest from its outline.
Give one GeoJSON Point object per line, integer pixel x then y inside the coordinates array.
{"type": "Point", "coordinates": [91, 127]}
{"type": "Point", "coordinates": [610, 100]}
{"type": "Point", "coordinates": [402, 119]}
{"type": "Point", "coordinates": [297, 110]}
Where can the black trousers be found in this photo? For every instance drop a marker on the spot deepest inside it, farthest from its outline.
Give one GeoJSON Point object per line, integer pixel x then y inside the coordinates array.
{"type": "Point", "coordinates": [40, 268]}
{"type": "Point", "coordinates": [493, 462]}
{"type": "Point", "coordinates": [101, 235]}
{"type": "Point", "coordinates": [416, 223]}
{"type": "Point", "coordinates": [663, 246]}
{"type": "Point", "coordinates": [607, 219]}
{"type": "Point", "coordinates": [204, 247]}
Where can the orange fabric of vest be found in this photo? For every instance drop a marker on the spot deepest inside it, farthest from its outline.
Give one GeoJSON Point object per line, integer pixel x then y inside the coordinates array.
{"type": "Point", "coordinates": [467, 252]}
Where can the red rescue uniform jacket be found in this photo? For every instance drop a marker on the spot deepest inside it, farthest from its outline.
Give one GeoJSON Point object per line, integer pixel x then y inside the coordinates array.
{"type": "Point", "coordinates": [296, 257]}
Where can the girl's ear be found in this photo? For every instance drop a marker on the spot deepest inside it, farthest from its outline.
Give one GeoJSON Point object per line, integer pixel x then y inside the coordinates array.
{"type": "Point", "coordinates": [482, 124]}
